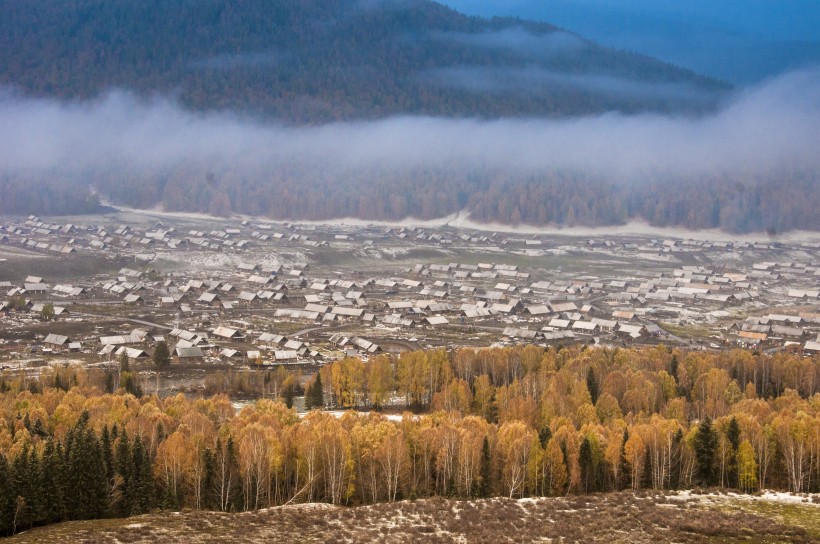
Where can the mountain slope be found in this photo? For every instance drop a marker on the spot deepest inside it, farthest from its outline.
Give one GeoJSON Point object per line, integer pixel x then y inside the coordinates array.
{"type": "Point", "coordinates": [321, 60]}
{"type": "Point", "coordinates": [437, 89]}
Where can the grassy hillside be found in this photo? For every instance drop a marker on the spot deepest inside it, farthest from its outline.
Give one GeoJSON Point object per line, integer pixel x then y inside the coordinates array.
{"type": "Point", "coordinates": [622, 517]}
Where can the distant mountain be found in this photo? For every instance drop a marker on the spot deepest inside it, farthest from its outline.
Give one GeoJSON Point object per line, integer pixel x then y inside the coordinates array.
{"type": "Point", "coordinates": [307, 61]}
{"type": "Point", "coordinates": [744, 42]}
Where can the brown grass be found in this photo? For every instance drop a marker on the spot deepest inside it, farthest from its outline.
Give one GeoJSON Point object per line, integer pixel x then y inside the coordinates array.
{"type": "Point", "coordinates": [616, 517]}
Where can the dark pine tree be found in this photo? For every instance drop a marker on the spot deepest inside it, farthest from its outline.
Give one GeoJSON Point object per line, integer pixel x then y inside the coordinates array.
{"type": "Point", "coordinates": [142, 479]}
{"type": "Point", "coordinates": [592, 385]}
{"type": "Point", "coordinates": [646, 476]}
{"type": "Point", "coordinates": [587, 465]}
{"type": "Point", "coordinates": [317, 393]}
{"type": "Point", "coordinates": [226, 475]}
{"type": "Point", "coordinates": [6, 496]}
{"type": "Point", "coordinates": [109, 382]}
{"type": "Point", "coordinates": [309, 397]}
{"type": "Point", "coordinates": [544, 436]}
{"type": "Point", "coordinates": [34, 491]}
{"type": "Point", "coordinates": [52, 483]}
{"type": "Point", "coordinates": [87, 487]}
{"type": "Point", "coordinates": [673, 367]}
{"type": "Point", "coordinates": [162, 356]}
{"type": "Point", "coordinates": [208, 479]}
{"type": "Point", "coordinates": [38, 430]}
{"type": "Point", "coordinates": [123, 503]}
{"type": "Point", "coordinates": [235, 489]}
{"type": "Point", "coordinates": [676, 462]}
{"type": "Point", "coordinates": [108, 455]}
{"type": "Point", "coordinates": [625, 471]}
{"type": "Point", "coordinates": [20, 491]}
{"type": "Point", "coordinates": [705, 446]}
{"type": "Point", "coordinates": [492, 409]}
{"type": "Point", "coordinates": [486, 470]}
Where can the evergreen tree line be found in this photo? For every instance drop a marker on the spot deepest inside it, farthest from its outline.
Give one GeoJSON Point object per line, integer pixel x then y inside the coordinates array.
{"type": "Point", "coordinates": [314, 191]}
{"type": "Point", "coordinates": [87, 475]}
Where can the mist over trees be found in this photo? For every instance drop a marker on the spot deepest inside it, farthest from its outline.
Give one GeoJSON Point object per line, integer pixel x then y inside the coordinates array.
{"type": "Point", "coordinates": [384, 111]}
{"type": "Point", "coordinates": [752, 166]}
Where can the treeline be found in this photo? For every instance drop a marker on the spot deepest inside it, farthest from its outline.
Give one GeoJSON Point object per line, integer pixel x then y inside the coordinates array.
{"type": "Point", "coordinates": [310, 62]}
{"type": "Point", "coordinates": [45, 196]}
{"type": "Point", "coordinates": [316, 192]}
{"type": "Point", "coordinates": [514, 422]}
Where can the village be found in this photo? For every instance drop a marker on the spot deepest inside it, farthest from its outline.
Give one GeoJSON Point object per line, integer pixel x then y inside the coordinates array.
{"type": "Point", "coordinates": [258, 294]}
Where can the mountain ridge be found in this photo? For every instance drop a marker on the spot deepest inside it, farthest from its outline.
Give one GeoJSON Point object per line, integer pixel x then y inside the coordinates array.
{"type": "Point", "coordinates": [328, 60]}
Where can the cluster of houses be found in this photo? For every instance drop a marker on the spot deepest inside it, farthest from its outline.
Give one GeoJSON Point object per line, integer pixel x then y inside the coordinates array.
{"type": "Point", "coordinates": [238, 312]}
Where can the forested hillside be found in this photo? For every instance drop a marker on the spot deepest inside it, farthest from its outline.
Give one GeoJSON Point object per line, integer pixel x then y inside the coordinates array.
{"type": "Point", "coordinates": [233, 108]}
{"type": "Point", "coordinates": [513, 422]}
{"type": "Point", "coordinates": [324, 60]}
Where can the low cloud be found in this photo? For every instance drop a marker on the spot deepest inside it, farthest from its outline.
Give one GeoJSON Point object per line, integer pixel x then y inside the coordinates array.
{"type": "Point", "coordinates": [519, 41]}
{"type": "Point", "coordinates": [766, 130]}
{"type": "Point", "coordinates": [540, 81]}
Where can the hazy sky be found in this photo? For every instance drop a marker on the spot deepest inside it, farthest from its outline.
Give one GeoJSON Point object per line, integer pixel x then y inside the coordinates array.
{"type": "Point", "coordinates": [740, 41]}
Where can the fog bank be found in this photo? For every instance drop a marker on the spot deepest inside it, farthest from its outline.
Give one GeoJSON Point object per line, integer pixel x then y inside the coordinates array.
{"type": "Point", "coordinates": [771, 127]}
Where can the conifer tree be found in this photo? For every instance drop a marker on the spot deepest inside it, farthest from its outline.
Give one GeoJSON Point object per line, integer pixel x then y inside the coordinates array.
{"type": "Point", "coordinates": [646, 475]}
{"type": "Point", "coordinates": [208, 478]}
{"type": "Point", "coordinates": [676, 458]}
{"type": "Point", "coordinates": [586, 463]}
{"type": "Point", "coordinates": [705, 446]}
{"type": "Point", "coordinates": [226, 475]}
{"type": "Point", "coordinates": [141, 480]}
{"type": "Point", "coordinates": [309, 397]}
{"type": "Point", "coordinates": [235, 490]}
{"type": "Point", "coordinates": [625, 471]}
{"type": "Point", "coordinates": [492, 409]}
{"type": "Point", "coordinates": [52, 484]}
{"type": "Point", "coordinates": [87, 488]}
{"type": "Point", "coordinates": [124, 366]}
{"type": "Point", "coordinates": [34, 490]}
{"type": "Point", "coordinates": [108, 455]}
{"type": "Point", "coordinates": [6, 496]}
{"type": "Point", "coordinates": [124, 496]}
{"type": "Point", "coordinates": [592, 385]}
{"type": "Point", "coordinates": [317, 394]}
{"type": "Point", "coordinates": [38, 430]}
{"type": "Point", "coordinates": [19, 490]}
{"type": "Point", "coordinates": [162, 356]}
{"type": "Point", "coordinates": [486, 469]}
{"type": "Point", "coordinates": [544, 435]}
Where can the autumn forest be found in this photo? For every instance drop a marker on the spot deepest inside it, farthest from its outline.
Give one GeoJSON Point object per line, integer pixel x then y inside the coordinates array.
{"type": "Point", "coordinates": [514, 422]}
